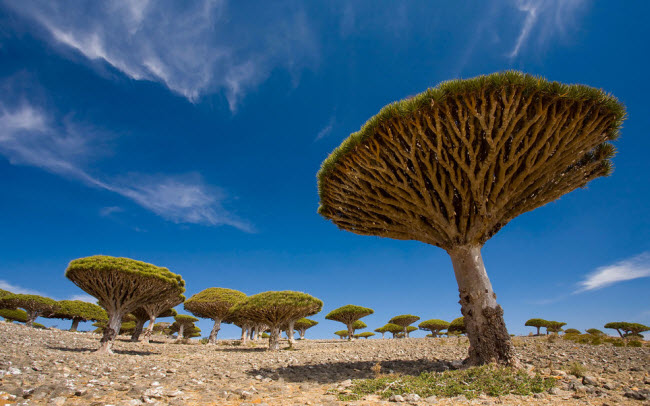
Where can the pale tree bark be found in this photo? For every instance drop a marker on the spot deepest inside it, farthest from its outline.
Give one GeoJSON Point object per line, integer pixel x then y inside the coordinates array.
{"type": "Point", "coordinates": [31, 317]}
{"type": "Point", "coordinates": [486, 330]}
{"type": "Point", "coordinates": [75, 324]}
{"type": "Point", "coordinates": [274, 338]}
{"type": "Point", "coordinates": [244, 333]}
{"type": "Point", "coordinates": [110, 332]}
{"type": "Point", "coordinates": [382, 335]}
{"type": "Point", "coordinates": [350, 332]}
{"type": "Point", "coordinates": [290, 333]}
{"type": "Point", "coordinates": [302, 333]}
{"type": "Point", "coordinates": [215, 330]}
{"type": "Point", "coordinates": [139, 326]}
{"type": "Point", "coordinates": [149, 331]}
{"type": "Point", "coordinates": [181, 330]}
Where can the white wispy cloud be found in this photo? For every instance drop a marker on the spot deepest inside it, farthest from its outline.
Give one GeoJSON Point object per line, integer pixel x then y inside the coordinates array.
{"type": "Point", "coordinates": [18, 289]}
{"type": "Point", "coordinates": [29, 137]}
{"type": "Point", "coordinates": [107, 211]}
{"type": "Point", "coordinates": [628, 269]}
{"type": "Point", "coordinates": [546, 19]}
{"type": "Point", "coordinates": [193, 48]}
{"type": "Point", "coordinates": [83, 297]}
{"type": "Point", "coordinates": [325, 131]}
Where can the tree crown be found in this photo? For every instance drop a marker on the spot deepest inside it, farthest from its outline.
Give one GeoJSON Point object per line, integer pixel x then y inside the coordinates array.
{"type": "Point", "coordinates": [304, 323]}
{"type": "Point", "coordinates": [341, 333]}
{"type": "Point", "coordinates": [457, 325]}
{"type": "Point", "coordinates": [213, 303]}
{"type": "Point", "coordinates": [276, 308]}
{"type": "Point", "coordinates": [77, 309]}
{"type": "Point", "coordinates": [572, 331]}
{"type": "Point", "coordinates": [185, 319]}
{"type": "Point", "coordinates": [393, 328]}
{"type": "Point", "coordinates": [29, 302]}
{"type": "Point", "coordinates": [536, 323]}
{"type": "Point", "coordinates": [359, 325]}
{"type": "Point", "coordinates": [14, 315]}
{"type": "Point", "coordinates": [349, 313]}
{"type": "Point", "coordinates": [595, 332]}
{"type": "Point", "coordinates": [404, 320]}
{"type": "Point", "coordinates": [365, 334]}
{"type": "Point", "coordinates": [434, 324]}
{"type": "Point", "coordinates": [453, 165]}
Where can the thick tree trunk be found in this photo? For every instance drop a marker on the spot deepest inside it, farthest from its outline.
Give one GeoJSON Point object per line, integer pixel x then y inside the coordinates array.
{"type": "Point", "coordinates": [382, 336]}
{"type": "Point", "coordinates": [244, 334]}
{"type": "Point", "coordinates": [537, 330]}
{"type": "Point", "coordinates": [139, 326]}
{"type": "Point", "coordinates": [110, 332]}
{"type": "Point", "coordinates": [274, 338]}
{"type": "Point", "coordinates": [75, 324]}
{"type": "Point", "coordinates": [215, 330]}
{"type": "Point", "coordinates": [488, 337]}
{"type": "Point", "coordinates": [302, 333]}
{"type": "Point", "coordinates": [350, 332]}
{"type": "Point", "coordinates": [181, 330]}
{"type": "Point", "coordinates": [149, 331]}
{"type": "Point", "coordinates": [290, 333]}
{"type": "Point", "coordinates": [31, 317]}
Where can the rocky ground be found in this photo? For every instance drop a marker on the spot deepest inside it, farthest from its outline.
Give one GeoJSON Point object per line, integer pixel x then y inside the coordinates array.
{"type": "Point", "coordinates": [52, 367]}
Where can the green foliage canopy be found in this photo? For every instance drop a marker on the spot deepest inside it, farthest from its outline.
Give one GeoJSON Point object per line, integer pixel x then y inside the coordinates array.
{"type": "Point", "coordinates": [404, 320]}
{"type": "Point", "coordinates": [304, 323]}
{"type": "Point", "coordinates": [77, 309]}
{"type": "Point", "coordinates": [348, 314]}
{"type": "Point", "coordinates": [571, 331]}
{"type": "Point", "coordinates": [275, 308]}
{"type": "Point", "coordinates": [341, 333]}
{"type": "Point", "coordinates": [434, 325]}
{"type": "Point", "coordinates": [213, 303]}
{"type": "Point", "coordinates": [457, 325]}
{"type": "Point", "coordinates": [14, 315]}
{"type": "Point", "coordinates": [359, 325]}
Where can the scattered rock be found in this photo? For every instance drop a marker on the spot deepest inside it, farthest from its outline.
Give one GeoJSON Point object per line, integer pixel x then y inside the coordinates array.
{"type": "Point", "coordinates": [396, 398]}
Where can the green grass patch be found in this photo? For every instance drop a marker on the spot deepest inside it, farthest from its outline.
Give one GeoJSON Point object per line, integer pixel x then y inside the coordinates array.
{"type": "Point", "coordinates": [471, 382]}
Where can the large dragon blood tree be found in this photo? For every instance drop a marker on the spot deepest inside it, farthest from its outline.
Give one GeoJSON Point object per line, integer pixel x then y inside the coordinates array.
{"type": "Point", "coordinates": [215, 304]}
{"type": "Point", "coordinates": [404, 320]}
{"type": "Point", "coordinates": [451, 166]}
{"type": "Point", "coordinates": [34, 305]}
{"type": "Point", "coordinates": [121, 285]}
{"type": "Point", "coordinates": [276, 309]}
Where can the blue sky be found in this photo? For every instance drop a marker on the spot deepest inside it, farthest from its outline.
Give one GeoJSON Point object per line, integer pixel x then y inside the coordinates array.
{"type": "Point", "coordinates": [190, 138]}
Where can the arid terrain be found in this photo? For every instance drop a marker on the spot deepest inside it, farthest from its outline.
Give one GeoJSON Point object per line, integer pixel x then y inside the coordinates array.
{"type": "Point", "coordinates": [52, 367]}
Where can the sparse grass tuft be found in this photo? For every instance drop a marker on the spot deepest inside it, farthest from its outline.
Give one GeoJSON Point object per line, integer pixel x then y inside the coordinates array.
{"type": "Point", "coordinates": [635, 343]}
{"type": "Point", "coordinates": [577, 369]}
{"type": "Point", "coordinates": [471, 382]}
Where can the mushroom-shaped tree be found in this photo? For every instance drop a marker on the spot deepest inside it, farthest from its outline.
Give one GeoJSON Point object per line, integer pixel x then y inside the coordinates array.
{"type": "Point", "coordinates": [570, 331]}
{"type": "Point", "coordinates": [162, 307]}
{"type": "Point", "coordinates": [276, 309]}
{"type": "Point", "coordinates": [347, 315]}
{"type": "Point", "coordinates": [537, 323]}
{"type": "Point", "coordinates": [619, 326]}
{"type": "Point", "coordinates": [381, 330]}
{"type": "Point", "coordinates": [121, 285]}
{"type": "Point", "coordinates": [554, 326]}
{"type": "Point", "coordinates": [302, 325]}
{"type": "Point", "coordinates": [595, 332]}
{"type": "Point", "coordinates": [409, 330]}
{"type": "Point", "coordinates": [451, 166]}
{"type": "Point", "coordinates": [182, 322]}
{"type": "Point", "coordinates": [634, 329]}
{"type": "Point", "coordinates": [78, 311]}
{"type": "Point", "coordinates": [5, 293]}
{"type": "Point", "coordinates": [358, 325]}
{"type": "Point", "coordinates": [342, 334]}
{"type": "Point", "coordinates": [215, 304]}
{"type": "Point", "coordinates": [144, 314]}
{"type": "Point", "coordinates": [365, 335]}
{"type": "Point", "coordinates": [161, 327]}
{"type": "Point", "coordinates": [458, 326]}
{"type": "Point", "coordinates": [394, 329]}
{"type": "Point", "coordinates": [435, 326]}
{"type": "Point", "coordinates": [404, 320]}
{"type": "Point", "coordinates": [34, 305]}
{"type": "Point", "coordinates": [11, 315]}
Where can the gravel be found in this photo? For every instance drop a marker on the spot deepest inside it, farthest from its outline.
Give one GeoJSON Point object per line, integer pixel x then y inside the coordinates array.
{"type": "Point", "coordinates": [53, 367]}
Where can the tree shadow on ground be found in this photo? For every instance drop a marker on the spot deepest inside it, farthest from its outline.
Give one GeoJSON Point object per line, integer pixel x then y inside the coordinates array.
{"type": "Point", "coordinates": [330, 372]}
{"type": "Point", "coordinates": [241, 349]}
{"type": "Point", "coordinates": [86, 349]}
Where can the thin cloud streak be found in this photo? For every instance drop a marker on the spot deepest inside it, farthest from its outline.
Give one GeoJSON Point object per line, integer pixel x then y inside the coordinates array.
{"type": "Point", "coordinates": [192, 48]}
{"type": "Point", "coordinates": [530, 8]}
{"type": "Point", "coordinates": [18, 289]}
{"type": "Point", "coordinates": [29, 137]}
{"type": "Point", "coordinates": [325, 131]}
{"type": "Point", "coordinates": [628, 269]}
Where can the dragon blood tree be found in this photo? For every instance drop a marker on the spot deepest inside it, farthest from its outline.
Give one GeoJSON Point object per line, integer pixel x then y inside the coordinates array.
{"type": "Point", "coordinates": [182, 322]}
{"type": "Point", "coordinates": [78, 311]}
{"type": "Point", "coordinates": [276, 309]}
{"type": "Point", "coordinates": [458, 326]}
{"type": "Point", "coordinates": [121, 285]}
{"type": "Point", "coordinates": [404, 320]}
{"type": "Point", "coordinates": [435, 326]}
{"type": "Point", "coordinates": [163, 307]}
{"type": "Point", "coordinates": [5, 293]}
{"type": "Point", "coordinates": [342, 334]}
{"type": "Point", "coordinates": [34, 305]}
{"type": "Point", "coordinates": [358, 325]}
{"type": "Point", "coordinates": [215, 304]}
{"type": "Point", "coordinates": [571, 331]}
{"type": "Point", "coordinates": [537, 323]}
{"type": "Point", "coordinates": [347, 315]}
{"type": "Point", "coordinates": [554, 326]}
{"type": "Point", "coordinates": [302, 325]}
{"type": "Point", "coordinates": [365, 335]}
{"type": "Point", "coordinates": [381, 330]}
{"type": "Point", "coordinates": [142, 316]}
{"type": "Point", "coordinates": [595, 332]}
{"type": "Point", "coordinates": [451, 166]}
{"type": "Point", "coordinates": [394, 329]}
{"type": "Point", "coordinates": [11, 315]}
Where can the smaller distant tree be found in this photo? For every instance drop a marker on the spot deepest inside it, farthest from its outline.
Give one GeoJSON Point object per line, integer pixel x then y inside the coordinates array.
{"type": "Point", "coordinates": [142, 315]}
{"type": "Point", "coordinates": [358, 325]}
{"type": "Point", "coordinates": [365, 335]}
{"type": "Point", "coordinates": [78, 311]}
{"type": "Point", "coordinates": [409, 330]}
{"type": "Point", "coordinates": [183, 321]}
{"type": "Point", "coordinates": [619, 326]}
{"type": "Point", "coordinates": [127, 328]}
{"type": "Point", "coordinates": [347, 315]}
{"type": "Point", "coordinates": [571, 331]}
{"type": "Point", "coordinates": [537, 323]}
{"type": "Point", "coordinates": [554, 326]}
{"type": "Point", "coordinates": [11, 315]}
{"type": "Point", "coordinates": [635, 329]}
{"type": "Point", "coordinates": [276, 309]}
{"type": "Point", "coordinates": [595, 332]}
{"type": "Point", "coordinates": [435, 326]}
{"type": "Point", "coordinates": [39, 326]}
{"type": "Point", "coordinates": [303, 324]}
{"type": "Point", "coordinates": [160, 327]}
{"type": "Point", "coordinates": [394, 329]}
{"type": "Point", "coordinates": [404, 320]}
{"type": "Point", "coordinates": [5, 293]}
{"type": "Point", "coordinates": [457, 326]}
{"type": "Point", "coordinates": [214, 304]}
{"type": "Point", "coordinates": [34, 305]}
{"type": "Point", "coordinates": [381, 330]}
{"type": "Point", "coordinates": [342, 334]}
